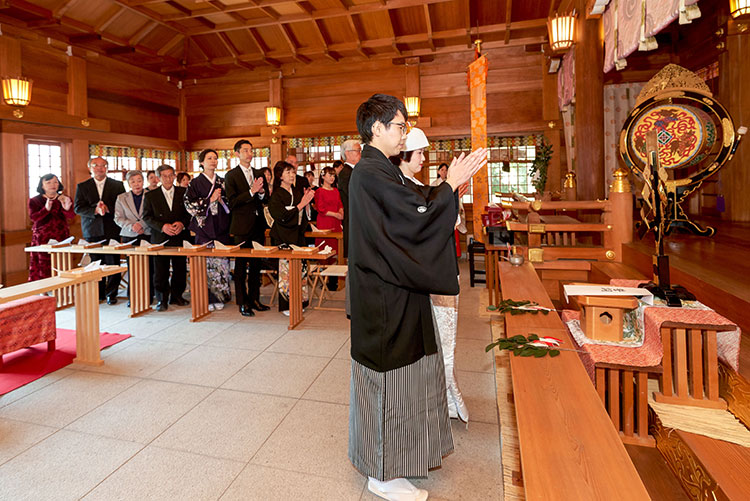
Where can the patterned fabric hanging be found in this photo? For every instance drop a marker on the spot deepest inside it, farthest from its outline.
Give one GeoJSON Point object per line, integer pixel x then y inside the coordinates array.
{"type": "Point", "coordinates": [307, 142]}
{"type": "Point", "coordinates": [100, 150]}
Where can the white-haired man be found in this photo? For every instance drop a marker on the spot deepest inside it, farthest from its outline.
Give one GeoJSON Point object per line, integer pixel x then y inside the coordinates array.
{"type": "Point", "coordinates": [351, 151]}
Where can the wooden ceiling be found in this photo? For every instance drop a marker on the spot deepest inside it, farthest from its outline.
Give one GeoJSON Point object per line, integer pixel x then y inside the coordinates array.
{"type": "Point", "coordinates": [198, 38]}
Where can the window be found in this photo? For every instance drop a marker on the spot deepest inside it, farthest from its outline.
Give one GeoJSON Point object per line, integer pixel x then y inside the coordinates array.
{"type": "Point", "coordinates": [118, 166]}
{"type": "Point", "coordinates": [121, 159]}
{"type": "Point", "coordinates": [43, 158]}
{"type": "Point", "coordinates": [507, 169]}
{"type": "Point", "coordinates": [316, 153]}
{"type": "Point", "coordinates": [148, 164]}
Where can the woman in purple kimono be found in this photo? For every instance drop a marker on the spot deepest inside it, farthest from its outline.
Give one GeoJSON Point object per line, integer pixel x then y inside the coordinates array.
{"type": "Point", "coordinates": [206, 202]}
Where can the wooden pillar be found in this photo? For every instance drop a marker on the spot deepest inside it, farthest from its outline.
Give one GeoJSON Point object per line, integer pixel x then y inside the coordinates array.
{"type": "Point", "coordinates": [551, 113]}
{"type": "Point", "coordinates": [77, 87]}
{"type": "Point", "coordinates": [589, 106]}
{"type": "Point", "coordinates": [734, 93]}
{"type": "Point", "coordinates": [182, 119]}
{"type": "Point", "coordinates": [275, 98]}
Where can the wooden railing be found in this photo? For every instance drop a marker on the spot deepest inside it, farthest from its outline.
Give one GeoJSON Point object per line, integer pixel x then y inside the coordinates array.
{"type": "Point", "coordinates": [552, 232]}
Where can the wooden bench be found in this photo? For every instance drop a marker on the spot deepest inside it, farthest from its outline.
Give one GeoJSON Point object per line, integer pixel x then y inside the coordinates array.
{"type": "Point", "coordinates": [569, 448]}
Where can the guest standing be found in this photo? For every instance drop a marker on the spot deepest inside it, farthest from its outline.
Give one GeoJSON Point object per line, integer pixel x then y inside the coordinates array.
{"type": "Point", "coordinates": [442, 174]}
{"type": "Point", "coordinates": [152, 179]}
{"type": "Point", "coordinates": [50, 212]}
{"type": "Point", "coordinates": [164, 212]}
{"type": "Point", "coordinates": [351, 152]}
{"type": "Point", "coordinates": [183, 179]}
{"type": "Point", "coordinates": [206, 202]}
{"type": "Point", "coordinates": [330, 208]}
{"type": "Point", "coordinates": [95, 202]}
{"type": "Point", "coordinates": [247, 193]}
{"type": "Point", "coordinates": [287, 207]}
{"type": "Point", "coordinates": [129, 217]}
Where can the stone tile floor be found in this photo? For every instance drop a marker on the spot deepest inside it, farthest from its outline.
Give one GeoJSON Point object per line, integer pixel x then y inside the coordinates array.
{"type": "Point", "coordinates": [226, 408]}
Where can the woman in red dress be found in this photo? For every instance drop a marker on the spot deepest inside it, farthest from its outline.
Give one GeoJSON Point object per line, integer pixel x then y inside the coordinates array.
{"type": "Point", "coordinates": [50, 212]}
{"type": "Point", "coordinates": [329, 207]}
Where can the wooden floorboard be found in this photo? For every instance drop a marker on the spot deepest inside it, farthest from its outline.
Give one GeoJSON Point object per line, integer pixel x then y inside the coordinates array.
{"type": "Point", "coordinates": [659, 480]}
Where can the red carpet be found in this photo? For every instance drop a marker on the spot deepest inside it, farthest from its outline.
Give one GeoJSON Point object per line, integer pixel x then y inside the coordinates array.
{"type": "Point", "coordinates": [29, 364]}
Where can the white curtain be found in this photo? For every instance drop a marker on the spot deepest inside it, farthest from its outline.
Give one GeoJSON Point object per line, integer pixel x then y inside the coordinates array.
{"type": "Point", "coordinates": [619, 100]}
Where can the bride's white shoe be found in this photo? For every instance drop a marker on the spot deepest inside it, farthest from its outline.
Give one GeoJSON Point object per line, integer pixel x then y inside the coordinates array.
{"type": "Point", "coordinates": [398, 489]}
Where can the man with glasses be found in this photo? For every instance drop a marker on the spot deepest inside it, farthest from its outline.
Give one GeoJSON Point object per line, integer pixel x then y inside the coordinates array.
{"type": "Point", "coordinates": [400, 234]}
{"type": "Point", "coordinates": [246, 192]}
{"type": "Point", "coordinates": [351, 152]}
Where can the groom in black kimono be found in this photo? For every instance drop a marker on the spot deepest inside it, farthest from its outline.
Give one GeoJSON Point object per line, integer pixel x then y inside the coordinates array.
{"type": "Point", "coordinates": [399, 234]}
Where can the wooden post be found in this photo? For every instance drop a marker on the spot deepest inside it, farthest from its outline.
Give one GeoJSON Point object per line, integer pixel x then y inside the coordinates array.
{"type": "Point", "coordinates": [734, 93]}
{"type": "Point", "coordinates": [77, 87]}
{"type": "Point", "coordinates": [589, 107]}
{"type": "Point", "coordinates": [620, 218]}
{"type": "Point", "coordinates": [275, 98]}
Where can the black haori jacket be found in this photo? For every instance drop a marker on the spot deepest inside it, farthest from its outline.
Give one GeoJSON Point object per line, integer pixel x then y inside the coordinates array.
{"type": "Point", "coordinates": [402, 250]}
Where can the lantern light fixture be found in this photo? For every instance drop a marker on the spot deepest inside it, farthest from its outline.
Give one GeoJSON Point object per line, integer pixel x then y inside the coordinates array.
{"type": "Point", "coordinates": [739, 8]}
{"type": "Point", "coordinates": [412, 108]}
{"type": "Point", "coordinates": [561, 30]}
{"type": "Point", "coordinates": [17, 92]}
{"type": "Point", "coordinates": [273, 115]}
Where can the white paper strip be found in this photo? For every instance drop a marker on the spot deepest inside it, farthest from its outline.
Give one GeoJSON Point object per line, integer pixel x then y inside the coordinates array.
{"type": "Point", "coordinates": [607, 290]}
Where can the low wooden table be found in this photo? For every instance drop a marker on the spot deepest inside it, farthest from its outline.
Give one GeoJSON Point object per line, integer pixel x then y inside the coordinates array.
{"type": "Point", "coordinates": [86, 294]}
{"type": "Point", "coordinates": [492, 255]}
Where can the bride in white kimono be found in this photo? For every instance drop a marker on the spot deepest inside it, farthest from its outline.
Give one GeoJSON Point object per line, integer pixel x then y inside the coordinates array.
{"type": "Point", "coordinates": [445, 308]}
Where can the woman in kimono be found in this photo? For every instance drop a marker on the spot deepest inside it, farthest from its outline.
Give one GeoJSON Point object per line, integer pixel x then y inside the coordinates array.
{"type": "Point", "coordinates": [400, 233]}
{"type": "Point", "coordinates": [50, 212]}
{"type": "Point", "coordinates": [206, 202]}
{"type": "Point", "coordinates": [445, 308]}
{"type": "Point", "coordinates": [288, 210]}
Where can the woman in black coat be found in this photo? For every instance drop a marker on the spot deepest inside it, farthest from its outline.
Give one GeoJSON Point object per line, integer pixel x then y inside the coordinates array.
{"type": "Point", "coordinates": [288, 208]}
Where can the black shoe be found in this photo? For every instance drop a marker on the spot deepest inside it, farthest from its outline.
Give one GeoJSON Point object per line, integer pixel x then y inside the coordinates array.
{"type": "Point", "coordinates": [111, 300]}
{"type": "Point", "coordinates": [161, 306]}
{"type": "Point", "coordinates": [179, 301]}
{"type": "Point", "coordinates": [128, 305]}
{"type": "Point", "coordinates": [246, 311]}
{"type": "Point", "coordinates": [258, 306]}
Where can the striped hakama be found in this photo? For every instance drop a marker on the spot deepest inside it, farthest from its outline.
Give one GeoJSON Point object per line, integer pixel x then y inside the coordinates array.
{"type": "Point", "coordinates": [398, 419]}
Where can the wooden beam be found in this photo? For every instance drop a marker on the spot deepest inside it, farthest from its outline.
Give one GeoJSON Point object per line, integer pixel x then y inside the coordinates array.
{"type": "Point", "coordinates": [228, 44]}
{"type": "Point", "coordinates": [61, 9]}
{"type": "Point", "coordinates": [262, 48]}
{"type": "Point", "coordinates": [323, 40]}
{"type": "Point", "coordinates": [110, 19]}
{"type": "Point", "coordinates": [392, 31]}
{"type": "Point", "coordinates": [84, 38]}
{"type": "Point", "coordinates": [118, 51]}
{"type": "Point", "coordinates": [318, 14]}
{"type": "Point", "coordinates": [508, 15]}
{"type": "Point", "coordinates": [428, 23]}
{"type": "Point", "coordinates": [142, 33]}
{"type": "Point", "coordinates": [171, 44]}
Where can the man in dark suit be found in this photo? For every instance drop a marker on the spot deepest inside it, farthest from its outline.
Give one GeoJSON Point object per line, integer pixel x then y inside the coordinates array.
{"type": "Point", "coordinates": [95, 203]}
{"type": "Point", "coordinates": [247, 191]}
{"type": "Point", "coordinates": [164, 212]}
{"type": "Point", "coordinates": [351, 151]}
